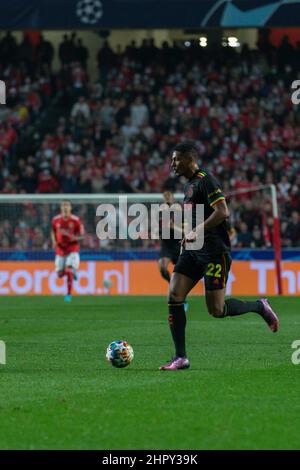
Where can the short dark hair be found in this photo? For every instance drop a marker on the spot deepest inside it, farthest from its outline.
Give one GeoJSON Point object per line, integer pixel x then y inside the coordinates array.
{"type": "Point", "coordinates": [187, 148]}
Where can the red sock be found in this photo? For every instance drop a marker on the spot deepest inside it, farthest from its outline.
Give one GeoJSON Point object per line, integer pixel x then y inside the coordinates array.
{"type": "Point", "coordinates": [69, 275]}
{"type": "Point", "coordinates": [61, 273]}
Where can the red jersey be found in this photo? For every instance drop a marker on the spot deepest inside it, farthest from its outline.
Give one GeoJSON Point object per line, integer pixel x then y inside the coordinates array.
{"type": "Point", "coordinates": [64, 230]}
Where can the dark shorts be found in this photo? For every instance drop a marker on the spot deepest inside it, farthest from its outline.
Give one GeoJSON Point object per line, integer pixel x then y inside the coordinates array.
{"type": "Point", "coordinates": [170, 252]}
{"type": "Point", "coordinates": [214, 268]}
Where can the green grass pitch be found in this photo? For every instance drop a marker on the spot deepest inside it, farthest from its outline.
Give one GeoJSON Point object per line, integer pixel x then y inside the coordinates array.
{"type": "Point", "coordinates": [58, 392]}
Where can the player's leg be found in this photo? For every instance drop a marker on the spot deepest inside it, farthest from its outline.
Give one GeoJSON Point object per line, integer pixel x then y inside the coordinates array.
{"type": "Point", "coordinates": [174, 259]}
{"type": "Point", "coordinates": [61, 270]}
{"type": "Point", "coordinates": [180, 286]}
{"type": "Point", "coordinates": [60, 265]}
{"type": "Point", "coordinates": [163, 264]}
{"type": "Point", "coordinates": [72, 264]}
{"type": "Point", "coordinates": [75, 261]}
{"type": "Point", "coordinates": [219, 307]}
{"type": "Point", "coordinates": [215, 277]}
{"type": "Point", "coordinates": [215, 281]}
{"type": "Point", "coordinates": [215, 301]}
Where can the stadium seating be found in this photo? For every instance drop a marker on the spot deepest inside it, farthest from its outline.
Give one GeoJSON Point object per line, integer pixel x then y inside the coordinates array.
{"type": "Point", "coordinates": [115, 135]}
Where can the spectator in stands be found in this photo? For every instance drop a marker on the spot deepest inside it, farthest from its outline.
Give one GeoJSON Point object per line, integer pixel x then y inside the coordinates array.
{"type": "Point", "coordinates": [26, 54]}
{"type": "Point", "coordinates": [119, 132]}
{"type": "Point", "coordinates": [293, 230]}
{"type": "Point", "coordinates": [45, 52]}
{"type": "Point", "coordinates": [8, 49]}
{"type": "Point", "coordinates": [257, 239]}
{"type": "Point", "coordinates": [8, 137]}
{"type": "Point", "coordinates": [28, 180]}
{"type": "Point", "coordinates": [117, 183]}
{"type": "Point", "coordinates": [81, 109]}
{"type": "Point", "coordinates": [244, 236]}
{"type": "Point", "coordinates": [82, 53]}
{"type": "Point", "coordinates": [139, 112]}
{"type": "Point", "coordinates": [105, 59]}
{"type": "Point", "coordinates": [84, 182]}
{"type": "Point", "coordinates": [121, 111]}
{"type": "Point", "coordinates": [107, 112]}
{"type": "Point", "coordinates": [284, 187]}
{"type": "Point", "coordinates": [68, 181]}
{"type": "Point", "coordinates": [79, 79]}
{"type": "Point", "coordinates": [47, 183]}
{"type": "Point", "coordinates": [128, 130]}
{"type": "Point", "coordinates": [38, 240]}
{"type": "Point", "coordinates": [65, 50]}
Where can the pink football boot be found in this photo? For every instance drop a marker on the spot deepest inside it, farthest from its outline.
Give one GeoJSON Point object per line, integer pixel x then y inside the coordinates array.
{"type": "Point", "coordinates": [176, 363]}
{"type": "Point", "coordinates": [269, 316]}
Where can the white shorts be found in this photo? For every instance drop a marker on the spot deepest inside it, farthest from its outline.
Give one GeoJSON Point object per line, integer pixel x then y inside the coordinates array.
{"type": "Point", "coordinates": [72, 260]}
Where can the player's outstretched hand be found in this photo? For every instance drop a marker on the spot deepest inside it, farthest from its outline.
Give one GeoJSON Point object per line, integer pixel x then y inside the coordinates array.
{"type": "Point", "coordinates": [190, 237]}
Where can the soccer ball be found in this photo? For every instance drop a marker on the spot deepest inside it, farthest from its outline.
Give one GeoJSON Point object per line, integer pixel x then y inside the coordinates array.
{"type": "Point", "coordinates": [89, 11]}
{"type": "Point", "coordinates": [119, 354]}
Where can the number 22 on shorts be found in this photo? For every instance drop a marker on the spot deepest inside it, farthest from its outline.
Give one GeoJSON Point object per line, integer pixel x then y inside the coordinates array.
{"type": "Point", "coordinates": [214, 270]}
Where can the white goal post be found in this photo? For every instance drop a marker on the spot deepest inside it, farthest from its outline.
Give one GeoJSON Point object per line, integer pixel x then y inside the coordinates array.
{"type": "Point", "coordinates": [101, 197]}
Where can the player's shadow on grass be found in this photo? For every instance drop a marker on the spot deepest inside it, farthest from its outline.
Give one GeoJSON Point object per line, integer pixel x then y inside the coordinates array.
{"type": "Point", "coordinates": [156, 369]}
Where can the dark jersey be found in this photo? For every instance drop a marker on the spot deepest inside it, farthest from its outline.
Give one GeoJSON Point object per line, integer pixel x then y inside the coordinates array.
{"type": "Point", "coordinates": [204, 189]}
{"type": "Point", "coordinates": [172, 243]}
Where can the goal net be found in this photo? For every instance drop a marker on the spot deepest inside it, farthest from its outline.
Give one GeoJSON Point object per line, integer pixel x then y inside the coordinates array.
{"type": "Point", "coordinates": [108, 264]}
{"type": "Point", "coordinates": [25, 225]}
{"type": "Point", "coordinates": [25, 221]}
{"type": "Point", "coordinates": [254, 221]}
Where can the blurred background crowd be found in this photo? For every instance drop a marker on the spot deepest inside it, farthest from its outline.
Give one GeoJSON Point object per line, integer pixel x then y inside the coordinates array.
{"type": "Point", "coordinates": [62, 132]}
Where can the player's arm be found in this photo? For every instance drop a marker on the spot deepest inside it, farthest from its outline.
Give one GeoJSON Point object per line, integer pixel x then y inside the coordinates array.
{"type": "Point", "coordinates": [230, 230]}
{"type": "Point", "coordinates": [53, 239]}
{"type": "Point", "coordinates": [79, 235]}
{"type": "Point", "coordinates": [77, 238]}
{"type": "Point", "coordinates": [221, 213]}
{"type": "Point", "coordinates": [216, 199]}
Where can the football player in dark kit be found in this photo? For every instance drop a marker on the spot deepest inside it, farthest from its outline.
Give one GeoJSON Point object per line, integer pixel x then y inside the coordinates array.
{"type": "Point", "coordinates": [169, 247]}
{"type": "Point", "coordinates": [212, 261]}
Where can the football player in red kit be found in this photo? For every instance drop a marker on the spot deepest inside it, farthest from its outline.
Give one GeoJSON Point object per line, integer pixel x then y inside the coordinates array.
{"type": "Point", "coordinates": [67, 231]}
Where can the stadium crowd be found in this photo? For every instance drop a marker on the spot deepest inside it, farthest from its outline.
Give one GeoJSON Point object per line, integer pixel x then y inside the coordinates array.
{"type": "Point", "coordinates": [116, 134]}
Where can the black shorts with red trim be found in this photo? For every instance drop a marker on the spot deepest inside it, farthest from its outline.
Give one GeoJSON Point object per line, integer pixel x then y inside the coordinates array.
{"type": "Point", "coordinates": [170, 250]}
{"type": "Point", "coordinates": [214, 268]}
